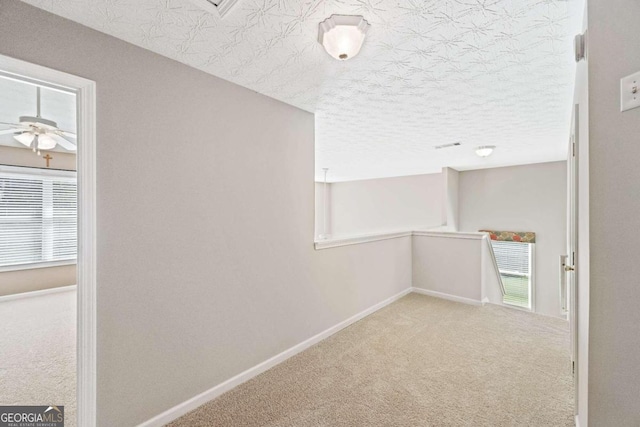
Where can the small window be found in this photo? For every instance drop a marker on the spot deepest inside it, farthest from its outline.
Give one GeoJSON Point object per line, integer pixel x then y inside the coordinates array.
{"type": "Point", "coordinates": [515, 264]}
{"type": "Point", "coordinates": [38, 217]}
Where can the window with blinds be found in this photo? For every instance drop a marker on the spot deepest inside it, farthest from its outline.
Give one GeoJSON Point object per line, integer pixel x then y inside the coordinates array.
{"type": "Point", "coordinates": [514, 262]}
{"type": "Point", "coordinates": [38, 217]}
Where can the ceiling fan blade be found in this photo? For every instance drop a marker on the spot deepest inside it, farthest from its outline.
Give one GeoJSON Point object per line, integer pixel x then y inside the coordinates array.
{"type": "Point", "coordinates": [12, 124]}
{"type": "Point", "coordinates": [8, 131]}
{"type": "Point", "coordinates": [67, 133]}
{"type": "Point", "coordinates": [63, 142]}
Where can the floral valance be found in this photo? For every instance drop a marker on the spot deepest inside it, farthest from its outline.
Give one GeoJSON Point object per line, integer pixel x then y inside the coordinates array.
{"type": "Point", "coordinates": [512, 236]}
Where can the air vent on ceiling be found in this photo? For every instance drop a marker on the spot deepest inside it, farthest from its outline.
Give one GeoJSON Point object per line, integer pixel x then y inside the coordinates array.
{"type": "Point", "coordinates": [440, 147]}
{"type": "Point", "coordinates": [222, 7]}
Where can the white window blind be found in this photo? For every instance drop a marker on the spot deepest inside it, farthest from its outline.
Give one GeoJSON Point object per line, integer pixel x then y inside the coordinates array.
{"type": "Point", "coordinates": [514, 262]}
{"type": "Point", "coordinates": [512, 257]}
{"type": "Point", "coordinates": [38, 216]}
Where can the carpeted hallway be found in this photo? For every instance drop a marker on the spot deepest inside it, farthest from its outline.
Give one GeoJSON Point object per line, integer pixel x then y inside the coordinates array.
{"type": "Point", "coordinates": [420, 361]}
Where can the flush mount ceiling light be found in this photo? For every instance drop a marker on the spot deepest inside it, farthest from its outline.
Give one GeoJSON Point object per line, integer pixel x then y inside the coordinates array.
{"type": "Point", "coordinates": [342, 35]}
{"type": "Point", "coordinates": [485, 150]}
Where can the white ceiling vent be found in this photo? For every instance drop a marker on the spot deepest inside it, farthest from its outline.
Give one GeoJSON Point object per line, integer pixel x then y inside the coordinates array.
{"type": "Point", "coordinates": [222, 7]}
{"type": "Point", "coordinates": [440, 147]}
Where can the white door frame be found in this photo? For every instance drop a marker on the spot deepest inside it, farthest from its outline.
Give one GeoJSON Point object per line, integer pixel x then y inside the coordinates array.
{"type": "Point", "coordinates": [85, 91]}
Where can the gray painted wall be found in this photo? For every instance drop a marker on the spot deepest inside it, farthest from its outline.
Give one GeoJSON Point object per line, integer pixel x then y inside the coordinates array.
{"type": "Point", "coordinates": [386, 204]}
{"type": "Point", "coordinates": [522, 198]}
{"type": "Point", "coordinates": [451, 199]}
{"type": "Point", "coordinates": [322, 209]}
{"type": "Point", "coordinates": [614, 180]}
{"type": "Point", "coordinates": [206, 264]}
{"type": "Point", "coordinates": [447, 265]}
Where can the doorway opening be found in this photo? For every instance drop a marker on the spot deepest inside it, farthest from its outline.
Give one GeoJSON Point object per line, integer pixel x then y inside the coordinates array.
{"type": "Point", "coordinates": [47, 240]}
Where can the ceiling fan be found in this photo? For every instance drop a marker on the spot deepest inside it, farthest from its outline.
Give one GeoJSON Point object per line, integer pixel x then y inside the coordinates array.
{"type": "Point", "coordinates": [39, 133]}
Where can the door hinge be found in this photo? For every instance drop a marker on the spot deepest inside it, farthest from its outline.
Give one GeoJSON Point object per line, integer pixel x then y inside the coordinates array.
{"type": "Point", "coordinates": [573, 367]}
{"type": "Point", "coordinates": [580, 46]}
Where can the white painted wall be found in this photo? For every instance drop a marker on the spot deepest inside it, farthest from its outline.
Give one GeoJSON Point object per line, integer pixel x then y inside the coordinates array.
{"type": "Point", "coordinates": [206, 265]}
{"type": "Point", "coordinates": [522, 198]}
{"type": "Point", "coordinates": [387, 204]}
{"type": "Point", "coordinates": [614, 205]}
{"type": "Point", "coordinates": [13, 282]}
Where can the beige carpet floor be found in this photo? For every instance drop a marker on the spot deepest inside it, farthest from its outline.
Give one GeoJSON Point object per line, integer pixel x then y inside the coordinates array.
{"type": "Point", "coordinates": [38, 352]}
{"type": "Point", "coordinates": [420, 361]}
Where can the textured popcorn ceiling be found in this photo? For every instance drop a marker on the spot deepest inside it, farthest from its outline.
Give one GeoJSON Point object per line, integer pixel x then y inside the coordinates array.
{"type": "Point", "coordinates": [431, 72]}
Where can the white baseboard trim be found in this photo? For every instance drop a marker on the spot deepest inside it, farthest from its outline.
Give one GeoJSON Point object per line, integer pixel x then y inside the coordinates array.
{"type": "Point", "coordinates": [446, 296]}
{"type": "Point", "coordinates": [39, 293]}
{"type": "Point", "coordinates": [191, 404]}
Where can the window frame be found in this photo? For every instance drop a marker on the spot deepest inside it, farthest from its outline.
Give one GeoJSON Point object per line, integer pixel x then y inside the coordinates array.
{"type": "Point", "coordinates": [30, 172]}
{"type": "Point", "coordinates": [531, 275]}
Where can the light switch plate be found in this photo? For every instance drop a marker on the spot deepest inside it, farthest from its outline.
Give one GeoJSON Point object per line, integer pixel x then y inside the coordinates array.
{"type": "Point", "coordinates": [630, 92]}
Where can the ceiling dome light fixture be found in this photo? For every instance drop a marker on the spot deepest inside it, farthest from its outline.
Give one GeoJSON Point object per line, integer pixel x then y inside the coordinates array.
{"type": "Point", "coordinates": [342, 35]}
{"type": "Point", "coordinates": [485, 150]}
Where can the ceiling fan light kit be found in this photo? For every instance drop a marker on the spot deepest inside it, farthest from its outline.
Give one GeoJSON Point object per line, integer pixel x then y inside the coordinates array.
{"type": "Point", "coordinates": [24, 138]}
{"type": "Point", "coordinates": [36, 142]}
{"type": "Point", "coordinates": [342, 36]}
